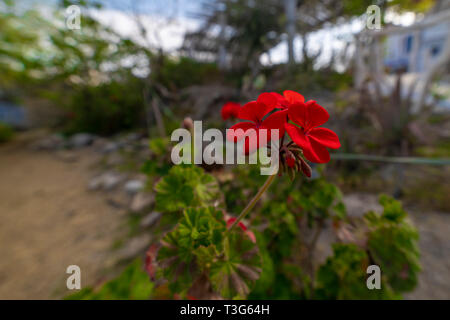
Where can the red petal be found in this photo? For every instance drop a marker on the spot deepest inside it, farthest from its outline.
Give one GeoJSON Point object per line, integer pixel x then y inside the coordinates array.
{"type": "Point", "coordinates": [230, 110]}
{"type": "Point", "coordinates": [276, 121]}
{"type": "Point", "coordinates": [293, 97]}
{"type": "Point", "coordinates": [297, 113]}
{"type": "Point", "coordinates": [297, 135]}
{"type": "Point", "coordinates": [325, 137]}
{"type": "Point", "coordinates": [316, 115]}
{"type": "Point", "coordinates": [254, 111]}
{"type": "Point", "coordinates": [308, 115]}
{"type": "Point", "coordinates": [312, 150]}
{"type": "Point", "coordinates": [230, 221]}
{"type": "Point", "coordinates": [251, 235]}
{"type": "Point", "coordinates": [238, 135]}
{"type": "Point", "coordinates": [268, 99]}
{"type": "Point", "coordinates": [252, 143]}
{"type": "Point", "coordinates": [316, 152]}
{"type": "Point", "coordinates": [282, 102]}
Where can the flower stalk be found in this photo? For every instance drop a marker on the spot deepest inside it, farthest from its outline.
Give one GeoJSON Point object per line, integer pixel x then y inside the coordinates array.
{"type": "Point", "coordinates": [252, 203]}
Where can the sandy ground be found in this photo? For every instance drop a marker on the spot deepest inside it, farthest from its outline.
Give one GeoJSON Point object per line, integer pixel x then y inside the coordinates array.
{"type": "Point", "coordinates": [48, 221]}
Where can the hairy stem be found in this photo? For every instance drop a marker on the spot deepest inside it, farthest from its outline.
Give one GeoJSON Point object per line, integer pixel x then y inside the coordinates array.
{"type": "Point", "coordinates": [252, 203]}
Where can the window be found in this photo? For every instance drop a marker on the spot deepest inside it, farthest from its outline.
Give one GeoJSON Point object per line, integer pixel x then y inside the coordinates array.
{"type": "Point", "coordinates": [435, 50]}
{"type": "Point", "coordinates": [408, 43]}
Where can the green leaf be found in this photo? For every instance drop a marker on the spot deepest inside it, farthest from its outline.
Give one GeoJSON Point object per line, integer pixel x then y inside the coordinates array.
{"type": "Point", "coordinates": [159, 146]}
{"type": "Point", "coordinates": [186, 187]}
{"type": "Point", "coordinates": [392, 243]}
{"type": "Point", "coordinates": [343, 276]}
{"type": "Point", "coordinates": [182, 255]}
{"type": "Point", "coordinates": [235, 272]}
{"type": "Point", "coordinates": [132, 283]}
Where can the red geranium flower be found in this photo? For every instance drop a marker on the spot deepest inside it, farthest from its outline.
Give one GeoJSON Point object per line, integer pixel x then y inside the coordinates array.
{"type": "Point", "coordinates": [288, 98]}
{"type": "Point", "coordinates": [254, 112]}
{"type": "Point", "coordinates": [230, 221]}
{"type": "Point", "coordinates": [314, 141]}
{"type": "Point", "coordinates": [290, 161]}
{"type": "Point", "coordinates": [230, 110]}
{"type": "Point", "coordinates": [249, 233]}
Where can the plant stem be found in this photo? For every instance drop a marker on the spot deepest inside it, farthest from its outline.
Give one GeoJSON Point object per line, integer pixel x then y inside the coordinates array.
{"type": "Point", "coordinates": [252, 203]}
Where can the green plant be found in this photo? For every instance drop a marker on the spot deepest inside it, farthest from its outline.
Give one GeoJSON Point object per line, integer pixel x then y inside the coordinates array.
{"type": "Point", "coordinates": [6, 133]}
{"type": "Point", "coordinates": [280, 263]}
{"type": "Point", "coordinates": [390, 242]}
{"type": "Point", "coordinates": [133, 283]}
{"type": "Point", "coordinates": [206, 252]}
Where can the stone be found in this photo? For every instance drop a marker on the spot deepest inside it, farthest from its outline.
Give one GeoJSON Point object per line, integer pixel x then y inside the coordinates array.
{"type": "Point", "coordinates": [95, 183]}
{"type": "Point", "coordinates": [52, 142]}
{"type": "Point", "coordinates": [67, 156]}
{"type": "Point", "coordinates": [150, 219]}
{"type": "Point", "coordinates": [110, 147]}
{"type": "Point", "coordinates": [114, 159]}
{"type": "Point", "coordinates": [111, 180]}
{"type": "Point", "coordinates": [80, 140]}
{"type": "Point", "coordinates": [357, 204]}
{"type": "Point", "coordinates": [134, 186]}
{"type": "Point", "coordinates": [106, 181]}
{"type": "Point", "coordinates": [135, 247]}
{"type": "Point", "coordinates": [141, 201]}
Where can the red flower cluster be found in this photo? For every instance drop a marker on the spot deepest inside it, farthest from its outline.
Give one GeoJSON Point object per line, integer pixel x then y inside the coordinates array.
{"type": "Point", "coordinates": [288, 112]}
{"type": "Point", "coordinates": [249, 233]}
{"type": "Point", "coordinates": [230, 110]}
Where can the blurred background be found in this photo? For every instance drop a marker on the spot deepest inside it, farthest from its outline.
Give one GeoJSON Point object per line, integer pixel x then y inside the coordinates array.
{"type": "Point", "coordinates": [85, 85]}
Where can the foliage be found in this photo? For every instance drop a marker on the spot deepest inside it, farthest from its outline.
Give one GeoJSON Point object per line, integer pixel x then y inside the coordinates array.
{"type": "Point", "coordinates": [81, 71]}
{"type": "Point", "coordinates": [197, 247]}
{"type": "Point", "coordinates": [105, 109]}
{"type": "Point", "coordinates": [313, 80]}
{"type": "Point", "coordinates": [133, 283]}
{"type": "Point", "coordinates": [185, 187]}
{"type": "Point", "coordinates": [179, 74]}
{"type": "Point", "coordinates": [343, 276]}
{"type": "Point", "coordinates": [6, 133]}
{"type": "Point", "coordinates": [159, 162]}
{"type": "Point", "coordinates": [280, 264]}
{"type": "Point", "coordinates": [391, 245]}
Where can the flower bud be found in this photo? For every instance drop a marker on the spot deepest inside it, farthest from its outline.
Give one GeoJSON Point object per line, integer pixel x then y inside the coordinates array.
{"type": "Point", "coordinates": [188, 123]}
{"type": "Point", "coordinates": [306, 169]}
{"type": "Point", "coordinates": [290, 160]}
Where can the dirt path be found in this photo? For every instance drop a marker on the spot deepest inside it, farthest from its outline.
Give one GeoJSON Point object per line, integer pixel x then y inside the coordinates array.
{"type": "Point", "coordinates": [48, 221]}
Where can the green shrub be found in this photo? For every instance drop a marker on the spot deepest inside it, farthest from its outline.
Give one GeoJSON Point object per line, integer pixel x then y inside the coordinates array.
{"type": "Point", "coordinates": [178, 74]}
{"type": "Point", "coordinates": [133, 283]}
{"type": "Point", "coordinates": [6, 133]}
{"type": "Point", "coordinates": [106, 109]}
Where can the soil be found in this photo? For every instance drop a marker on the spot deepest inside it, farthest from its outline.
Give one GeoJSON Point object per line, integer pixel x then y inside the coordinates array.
{"type": "Point", "coordinates": [49, 220]}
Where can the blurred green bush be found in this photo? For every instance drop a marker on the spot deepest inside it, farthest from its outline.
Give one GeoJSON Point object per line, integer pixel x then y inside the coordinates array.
{"type": "Point", "coordinates": [132, 284]}
{"type": "Point", "coordinates": [105, 109]}
{"type": "Point", "coordinates": [6, 133]}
